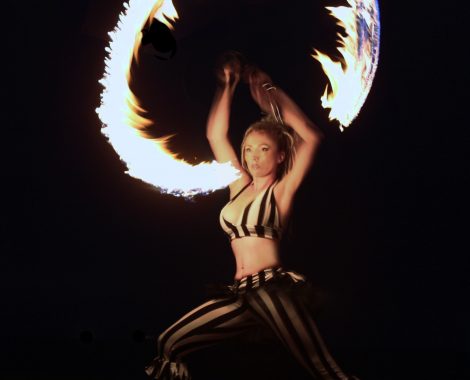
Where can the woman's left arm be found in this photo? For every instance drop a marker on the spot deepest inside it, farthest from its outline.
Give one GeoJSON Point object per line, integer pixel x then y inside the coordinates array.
{"type": "Point", "coordinates": [310, 138]}
{"type": "Point", "coordinates": [310, 135]}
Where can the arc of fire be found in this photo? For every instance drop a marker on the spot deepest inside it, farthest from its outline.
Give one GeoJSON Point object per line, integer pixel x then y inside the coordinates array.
{"type": "Point", "coordinates": [150, 160]}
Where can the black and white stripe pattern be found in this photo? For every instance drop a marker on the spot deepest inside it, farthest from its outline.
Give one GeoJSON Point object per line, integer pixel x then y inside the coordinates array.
{"type": "Point", "coordinates": [259, 218]}
{"type": "Point", "coordinates": [252, 302]}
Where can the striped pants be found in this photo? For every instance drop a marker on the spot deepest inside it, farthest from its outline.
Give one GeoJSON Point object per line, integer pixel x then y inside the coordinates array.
{"type": "Point", "coordinates": [265, 298]}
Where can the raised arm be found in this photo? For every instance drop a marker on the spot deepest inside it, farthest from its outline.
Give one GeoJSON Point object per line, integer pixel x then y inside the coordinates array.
{"type": "Point", "coordinates": [218, 122]}
{"type": "Point", "coordinates": [309, 134]}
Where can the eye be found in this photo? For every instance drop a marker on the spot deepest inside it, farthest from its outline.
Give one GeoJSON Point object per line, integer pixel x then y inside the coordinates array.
{"type": "Point", "coordinates": [265, 148]}
{"type": "Point", "coordinates": [247, 149]}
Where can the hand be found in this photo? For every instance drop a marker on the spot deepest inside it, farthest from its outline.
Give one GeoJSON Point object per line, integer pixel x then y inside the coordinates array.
{"type": "Point", "coordinates": [229, 68]}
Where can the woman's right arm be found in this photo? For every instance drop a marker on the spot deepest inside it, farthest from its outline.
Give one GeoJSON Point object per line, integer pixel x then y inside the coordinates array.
{"type": "Point", "coordinates": [218, 126]}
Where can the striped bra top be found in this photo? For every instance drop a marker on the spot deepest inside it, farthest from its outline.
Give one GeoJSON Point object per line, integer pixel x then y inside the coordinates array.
{"type": "Point", "coordinates": [259, 218]}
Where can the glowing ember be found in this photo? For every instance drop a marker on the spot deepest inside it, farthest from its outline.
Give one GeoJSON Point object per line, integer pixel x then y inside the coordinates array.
{"type": "Point", "coordinates": [351, 79]}
{"type": "Point", "coordinates": [124, 125]}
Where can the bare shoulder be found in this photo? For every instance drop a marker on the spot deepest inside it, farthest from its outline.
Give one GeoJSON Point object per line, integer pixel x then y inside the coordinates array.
{"type": "Point", "coordinates": [239, 183]}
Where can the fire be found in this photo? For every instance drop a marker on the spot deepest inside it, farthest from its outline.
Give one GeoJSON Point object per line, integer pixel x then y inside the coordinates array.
{"type": "Point", "coordinates": [351, 79]}
{"type": "Point", "coordinates": [149, 159]}
{"type": "Point", "coordinates": [166, 12]}
{"type": "Point", "coordinates": [122, 116]}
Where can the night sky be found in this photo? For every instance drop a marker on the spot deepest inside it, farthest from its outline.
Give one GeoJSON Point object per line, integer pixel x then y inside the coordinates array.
{"type": "Point", "coordinates": [95, 264]}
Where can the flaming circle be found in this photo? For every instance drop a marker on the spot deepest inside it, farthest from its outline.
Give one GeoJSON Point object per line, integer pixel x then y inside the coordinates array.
{"type": "Point", "coordinates": [151, 161]}
{"type": "Point", "coordinates": [351, 79]}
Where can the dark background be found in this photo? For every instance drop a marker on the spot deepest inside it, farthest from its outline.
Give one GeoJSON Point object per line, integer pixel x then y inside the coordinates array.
{"type": "Point", "coordinates": [92, 260]}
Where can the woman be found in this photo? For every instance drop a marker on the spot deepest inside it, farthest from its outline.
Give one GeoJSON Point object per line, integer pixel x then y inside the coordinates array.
{"type": "Point", "coordinates": [274, 162]}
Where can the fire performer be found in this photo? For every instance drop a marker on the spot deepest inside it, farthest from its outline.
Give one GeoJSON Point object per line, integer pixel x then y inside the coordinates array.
{"type": "Point", "coordinates": [276, 154]}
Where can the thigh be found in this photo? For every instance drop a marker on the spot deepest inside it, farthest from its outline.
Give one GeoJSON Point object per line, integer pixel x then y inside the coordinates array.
{"type": "Point", "coordinates": [207, 324]}
{"type": "Point", "coordinates": [292, 322]}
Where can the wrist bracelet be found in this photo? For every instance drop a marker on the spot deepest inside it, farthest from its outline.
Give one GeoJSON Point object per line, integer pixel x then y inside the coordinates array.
{"type": "Point", "coordinates": [274, 107]}
{"type": "Point", "coordinates": [268, 86]}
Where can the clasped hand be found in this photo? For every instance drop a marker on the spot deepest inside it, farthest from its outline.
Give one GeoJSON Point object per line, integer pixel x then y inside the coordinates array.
{"type": "Point", "coordinates": [233, 68]}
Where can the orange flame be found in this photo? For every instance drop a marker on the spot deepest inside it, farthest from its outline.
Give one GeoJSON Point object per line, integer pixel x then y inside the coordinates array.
{"type": "Point", "coordinates": [351, 79]}
{"type": "Point", "coordinates": [121, 114]}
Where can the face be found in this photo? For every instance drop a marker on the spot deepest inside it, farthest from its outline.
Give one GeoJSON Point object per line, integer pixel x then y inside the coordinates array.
{"type": "Point", "coordinates": [261, 154]}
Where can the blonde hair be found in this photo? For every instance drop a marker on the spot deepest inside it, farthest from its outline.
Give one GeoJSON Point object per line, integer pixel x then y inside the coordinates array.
{"type": "Point", "coordinates": [285, 138]}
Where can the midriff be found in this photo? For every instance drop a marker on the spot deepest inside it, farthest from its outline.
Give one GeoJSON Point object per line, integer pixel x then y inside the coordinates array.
{"type": "Point", "coordinates": [253, 254]}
